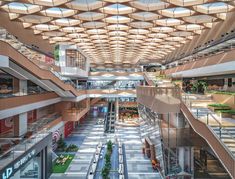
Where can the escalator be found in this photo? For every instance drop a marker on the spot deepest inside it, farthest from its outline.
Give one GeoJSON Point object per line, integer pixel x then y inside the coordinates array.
{"type": "Point", "coordinates": [110, 118]}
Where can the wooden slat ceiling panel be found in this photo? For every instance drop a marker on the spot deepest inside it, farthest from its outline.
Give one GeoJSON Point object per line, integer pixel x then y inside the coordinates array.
{"type": "Point", "coordinates": [119, 32]}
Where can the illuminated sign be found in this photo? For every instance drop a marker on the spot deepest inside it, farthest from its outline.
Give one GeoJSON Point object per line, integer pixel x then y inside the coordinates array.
{"type": "Point", "coordinates": [11, 170]}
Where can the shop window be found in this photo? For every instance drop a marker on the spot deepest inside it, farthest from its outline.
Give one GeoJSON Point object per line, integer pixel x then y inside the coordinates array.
{"type": "Point", "coordinates": [75, 59]}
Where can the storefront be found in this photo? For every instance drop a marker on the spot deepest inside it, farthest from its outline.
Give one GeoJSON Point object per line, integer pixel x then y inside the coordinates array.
{"type": "Point", "coordinates": [34, 163]}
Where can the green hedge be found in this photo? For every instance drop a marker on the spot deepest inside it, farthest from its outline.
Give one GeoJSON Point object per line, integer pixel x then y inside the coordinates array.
{"type": "Point", "coordinates": [221, 92]}
{"type": "Point", "coordinates": [229, 111]}
{"type": "Point", "coordinates": [218, 105]}
{"type": "Point", "coordinates": [107, 167]}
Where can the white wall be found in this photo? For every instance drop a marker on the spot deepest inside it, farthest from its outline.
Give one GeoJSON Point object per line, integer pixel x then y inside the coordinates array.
{"type": "Point", "coordinates": [23, 123]}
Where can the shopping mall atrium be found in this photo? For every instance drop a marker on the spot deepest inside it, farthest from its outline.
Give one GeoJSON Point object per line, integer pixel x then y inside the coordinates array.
{"type": "Point", "coordinates": [117, 89]}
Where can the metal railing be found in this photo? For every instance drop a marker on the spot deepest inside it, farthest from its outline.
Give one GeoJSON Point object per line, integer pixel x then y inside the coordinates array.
{"type": "Point", "coordinates": [211, 122]}
{"type": "Point", "coordinates": [13, 152]}
{"type": "Point", "coordinates": [22, 92]}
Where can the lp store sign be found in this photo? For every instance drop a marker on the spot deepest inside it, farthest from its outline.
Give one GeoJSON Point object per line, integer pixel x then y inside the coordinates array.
{"type": "Point", "coordinates": [13, 168]}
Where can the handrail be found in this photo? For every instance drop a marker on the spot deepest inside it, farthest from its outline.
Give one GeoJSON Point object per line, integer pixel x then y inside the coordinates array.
{"type": "Point", "coordinates": [90, 166]}
{"type": "Point", "coordinates": [221, 127]}
{"type": "Point", "coordinates": [205, 131]}
{"type": "Point", "coordinates": [9, 51]}
{"type": "Point", "coordinates": [124, 162]}
{"type": "Point", "coordinates": [210, 114]}
{"type": "Point", "coordinates": [150, 82]}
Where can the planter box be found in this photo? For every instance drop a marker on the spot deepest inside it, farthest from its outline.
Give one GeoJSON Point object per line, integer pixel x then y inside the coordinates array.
{"type": "Point", "coordinates": [225, 98]}
{"type": "Point", "coordinates": [224, 115]}
{"type": "Point", "coordinates": [217, 108]}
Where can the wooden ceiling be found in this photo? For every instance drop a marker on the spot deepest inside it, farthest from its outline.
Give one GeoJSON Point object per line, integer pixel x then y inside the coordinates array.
{"type": "Point", "coordinates": [119, 32]}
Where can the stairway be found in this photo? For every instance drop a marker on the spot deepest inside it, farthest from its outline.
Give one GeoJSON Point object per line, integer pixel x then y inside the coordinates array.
{"type": "Point", "coordinates": [225, 133]}
{"type": "Point", "coordinates": [227, 136]}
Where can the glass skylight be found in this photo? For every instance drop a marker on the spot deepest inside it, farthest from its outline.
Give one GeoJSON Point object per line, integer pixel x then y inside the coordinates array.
{"type": "Point", "coordinates": [119, 30]}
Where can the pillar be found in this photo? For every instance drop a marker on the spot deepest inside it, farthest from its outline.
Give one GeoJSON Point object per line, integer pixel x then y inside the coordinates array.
{"type": "Point", "coordinates": [186, 158]}
{"type": "Point", "coordinates": [179, 121]}
{"type": "Point", "coordinates": [192, 159]}
{"type": "Point", "coordinates": [181, 157]}
{"type": "Point", "coordinates": [225, 84]}
{"type": "Point", "coordinates": [233, 83]}
{"type": "Point", "coordinates": [20, 125]}
{"type": "Point", "coordinates": [23, 86]}
{"type": "Point", "coordinates": [117, 108]}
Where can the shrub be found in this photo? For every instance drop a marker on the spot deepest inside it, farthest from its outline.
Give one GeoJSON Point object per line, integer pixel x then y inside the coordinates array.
{"type": "Point", "coordinates": [61, 145]}
{"type": "Point", "coordinates": [229, 111]}
{"type": "Point", "coordinates": [72, 148]}
{"type": "Point", "coordinates": [109, 145]}
{"type": "Point", "coordinates": [107, 167]}
{"type": "Point", "coordinates": [218, 105]}
{"type": "Point", "coordinates": [221, 92]}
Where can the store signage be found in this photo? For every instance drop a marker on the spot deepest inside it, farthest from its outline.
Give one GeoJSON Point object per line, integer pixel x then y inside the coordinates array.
{"type": "Point", "coordinates": [15, 166]}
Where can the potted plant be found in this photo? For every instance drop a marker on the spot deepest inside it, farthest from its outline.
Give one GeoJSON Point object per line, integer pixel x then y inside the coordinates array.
{"type": "Point", "coordinates": [199, 87]}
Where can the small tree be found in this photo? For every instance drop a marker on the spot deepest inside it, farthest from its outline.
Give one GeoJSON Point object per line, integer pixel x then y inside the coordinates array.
{"type": "Point", "coordinates": [105, 172]}
{"type": "Point", "coordinates": [110, 146]}
{"type": "Point", "coordinates": [61, 144]}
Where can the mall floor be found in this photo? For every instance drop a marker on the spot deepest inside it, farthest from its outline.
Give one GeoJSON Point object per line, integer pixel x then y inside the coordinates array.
{"type": "Point", "coordinates": [90, 133]}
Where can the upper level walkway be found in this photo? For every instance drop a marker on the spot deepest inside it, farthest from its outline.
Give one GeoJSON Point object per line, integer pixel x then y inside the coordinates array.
{"type": "Point", "coordinates": [218, 64]}
{"type": "Point", "coordinates": [17, 64]}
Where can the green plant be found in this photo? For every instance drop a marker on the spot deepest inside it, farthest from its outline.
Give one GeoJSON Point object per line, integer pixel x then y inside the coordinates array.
{"type": "Point", "coordinates": [221, 92]}
{"type": "Point", "coordinates": [105, 172]}
{"type": "Point", "coordinates": [56, 53]}
{"type": "Point", "coordinates": [107, 167]}
{"type": "Point", "coordinates": [109, 145]}
{"type": "Point", "coordinates": [218, 105]}
{"type": "Point", "coordinates": [199, 87]}
{"type": "Point", "coordinates": [229, 111]}
{"type": "Point", "coordinates": [61, 145]}
{"type": "Point", "coordinates": [72, 148]}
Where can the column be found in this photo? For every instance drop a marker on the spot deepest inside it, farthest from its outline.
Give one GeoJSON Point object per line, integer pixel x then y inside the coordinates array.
{"type": "Point", "coordinates": [20, 125]}
{"type": "Point", "coordinates": [23, 87]}
{"type": "Point", "coordinates": [180, 121]}
{"type": "Point", "coordinates": [225, 84]}
{"type": "Point", "coordinates": [117, 108]}
{"type": "Point", "coordinates": [233, 81]}
{"type": "Point", "coordinates": [192, 159]}
{"type": "Point", "coordinates": [181, 157]}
